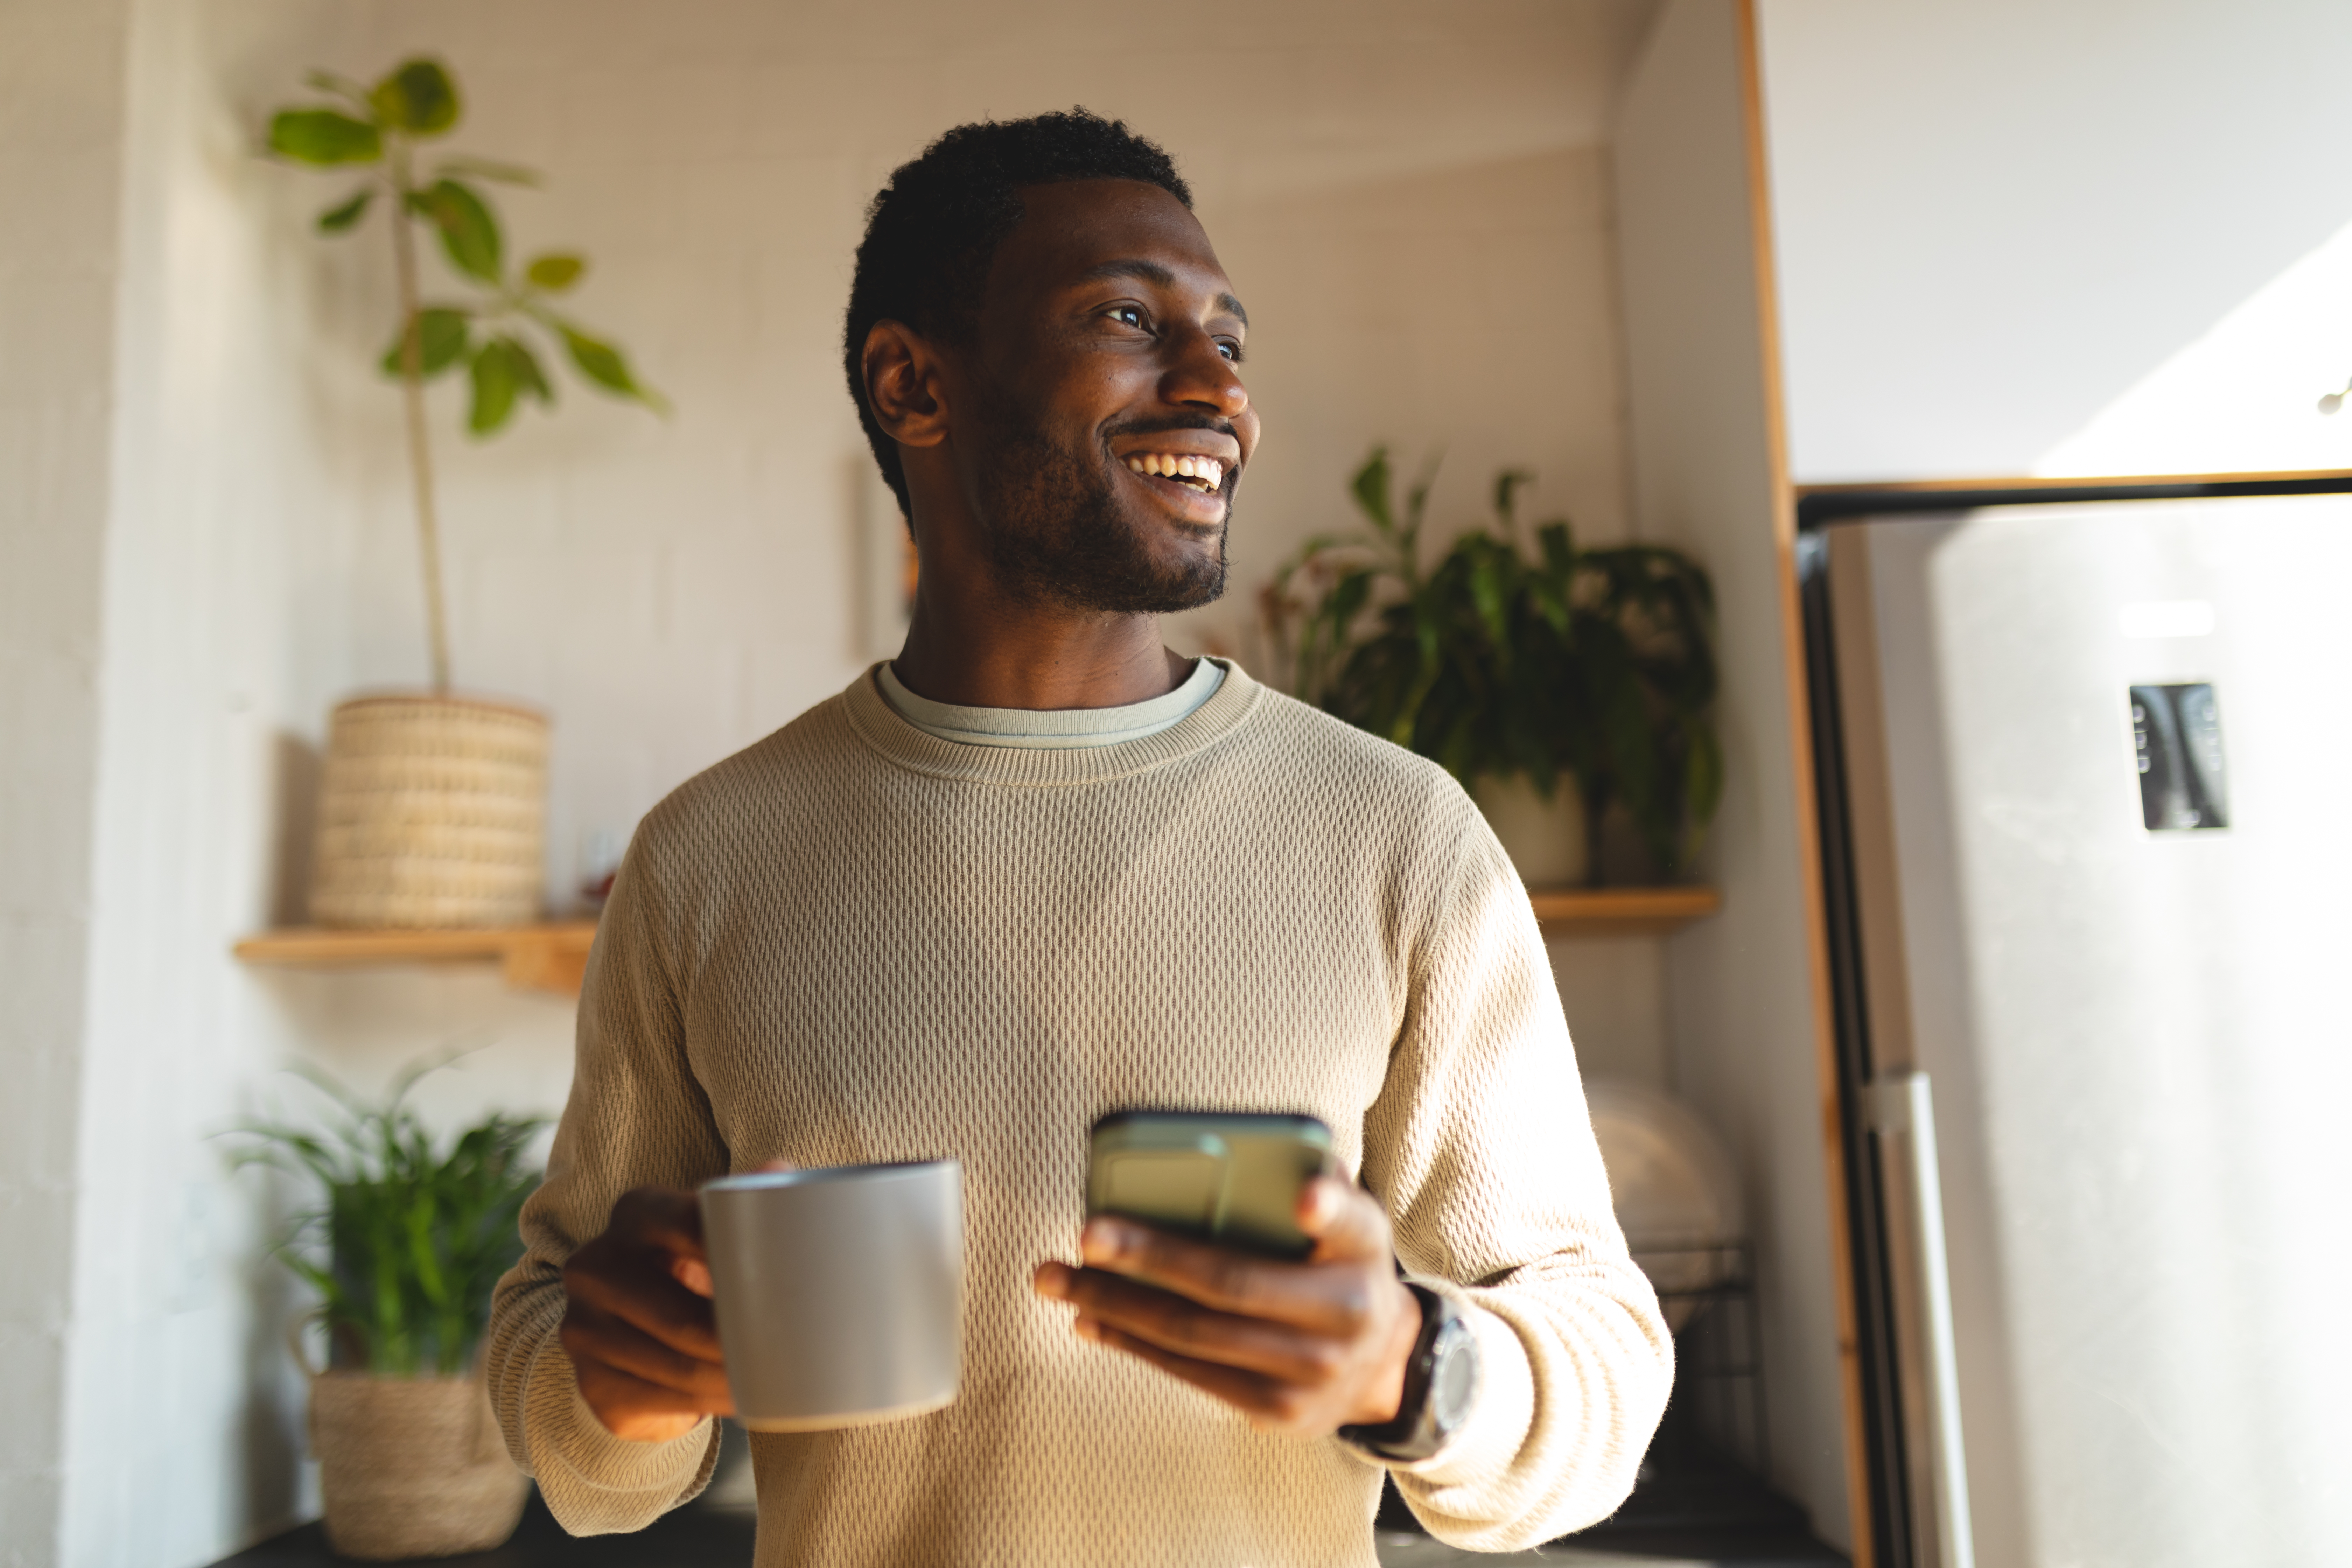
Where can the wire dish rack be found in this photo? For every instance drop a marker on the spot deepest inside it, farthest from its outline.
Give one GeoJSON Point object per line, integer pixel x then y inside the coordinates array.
{"type": "Point", "coordinates": [1719, 1351]}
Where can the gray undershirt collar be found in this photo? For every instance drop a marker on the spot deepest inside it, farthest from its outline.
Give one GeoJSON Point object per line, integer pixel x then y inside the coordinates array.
{"type": "Point", "coordinates": [1050, 728]}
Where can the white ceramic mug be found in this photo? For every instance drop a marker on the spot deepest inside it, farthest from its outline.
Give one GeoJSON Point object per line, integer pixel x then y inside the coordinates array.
{"type": "Point", "coordinates": [840, 1291]}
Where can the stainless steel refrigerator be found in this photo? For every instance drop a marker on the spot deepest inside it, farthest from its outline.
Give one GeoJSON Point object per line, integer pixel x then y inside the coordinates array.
{"type": "Point", "coordinates": [2085, 760]}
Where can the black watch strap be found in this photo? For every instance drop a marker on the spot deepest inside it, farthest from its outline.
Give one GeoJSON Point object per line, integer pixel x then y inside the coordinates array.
{"type": "Point", "coordinates": [1440, 1385]}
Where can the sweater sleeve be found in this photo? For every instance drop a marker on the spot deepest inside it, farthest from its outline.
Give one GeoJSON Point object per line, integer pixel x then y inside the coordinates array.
{"type": "Point", "coordinates": [1482, 1150]}
{"type": "Point", "coordinates": [636, 1117]}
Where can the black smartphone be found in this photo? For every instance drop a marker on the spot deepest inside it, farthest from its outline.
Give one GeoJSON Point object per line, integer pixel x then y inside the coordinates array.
{"type": "Point", "coordinates": [1232, 1177]}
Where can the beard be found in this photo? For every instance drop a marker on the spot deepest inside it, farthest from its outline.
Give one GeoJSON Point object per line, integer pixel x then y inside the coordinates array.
{"type": "Point", "coordinates": [1056, 533]}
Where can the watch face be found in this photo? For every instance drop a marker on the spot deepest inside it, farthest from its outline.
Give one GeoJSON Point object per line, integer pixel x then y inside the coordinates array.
{"type": "Point", "coordinates": [1453, 1381]}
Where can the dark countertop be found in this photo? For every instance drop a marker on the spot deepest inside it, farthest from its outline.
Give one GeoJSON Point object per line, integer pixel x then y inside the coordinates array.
{"type": "Point", "coordinates": [1695, 1514]}
{"type": "Point", "coordinates": [693, 1537]}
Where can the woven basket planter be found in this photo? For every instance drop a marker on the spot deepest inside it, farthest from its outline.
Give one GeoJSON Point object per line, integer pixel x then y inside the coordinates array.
{"type": "Point", "coordinates": [432, 813]}
{"type": "Point", "coordinates": [412, 1466]}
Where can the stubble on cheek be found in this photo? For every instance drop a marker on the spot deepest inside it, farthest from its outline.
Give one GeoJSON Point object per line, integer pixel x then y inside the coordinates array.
{"type": "Point", "coordinates": [1057, 532]}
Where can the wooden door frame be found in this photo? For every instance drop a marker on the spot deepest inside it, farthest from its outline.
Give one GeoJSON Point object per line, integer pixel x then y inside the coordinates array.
{"type": "Point", "coordinates": [1860, 1516]}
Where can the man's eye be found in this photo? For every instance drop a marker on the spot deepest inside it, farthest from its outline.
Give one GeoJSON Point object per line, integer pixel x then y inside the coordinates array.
{"type": "Point", "coordinates": [1231, 349]}
{"type": "Point", "coordinates": [1128, 315]}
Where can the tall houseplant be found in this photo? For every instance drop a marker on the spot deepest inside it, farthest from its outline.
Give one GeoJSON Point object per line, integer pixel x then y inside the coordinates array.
{"type": "Point", "coordinates": [1516, 657]}
{"type": "Point", "coordinates": [432, 808]}
{"type": "Point", "coordinates": [379, 129]}
{"type": "Point", "coordinates": [403, 1244]}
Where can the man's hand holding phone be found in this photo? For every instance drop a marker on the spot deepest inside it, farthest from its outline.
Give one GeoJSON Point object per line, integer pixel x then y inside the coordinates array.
{"type": "Point", "coordinates": [1306, 1346]}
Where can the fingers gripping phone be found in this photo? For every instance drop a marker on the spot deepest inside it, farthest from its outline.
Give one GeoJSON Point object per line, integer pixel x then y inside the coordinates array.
{"type": "Point", "coordinates": [1232, 1177]}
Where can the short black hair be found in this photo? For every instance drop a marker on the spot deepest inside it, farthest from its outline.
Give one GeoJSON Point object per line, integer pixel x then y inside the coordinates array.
{"type": "Point", "coordinates": [932, 232]}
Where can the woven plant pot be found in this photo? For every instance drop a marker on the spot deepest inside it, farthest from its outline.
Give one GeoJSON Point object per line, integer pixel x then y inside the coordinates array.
{"type": "Point", "coordinates": [412, 1466]}
{"type": "Point", "coordinates": [432, 813]}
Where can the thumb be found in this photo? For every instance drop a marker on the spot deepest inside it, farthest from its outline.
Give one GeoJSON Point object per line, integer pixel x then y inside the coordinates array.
{"type": "Point", "coordinates": [693, 1273]}
{"type": "Point", "coordinates": [1345, 1221]}
{"type": "Point", "coordinates": [693, 1269]}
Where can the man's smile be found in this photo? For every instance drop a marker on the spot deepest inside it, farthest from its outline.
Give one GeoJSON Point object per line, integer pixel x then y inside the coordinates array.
{"type": "Point", "coordinates": [1191, 487]}
{"type": "Point", "coordinates": [1184, 469]}
{"type": "Point", "coordinates": [1204, 474]}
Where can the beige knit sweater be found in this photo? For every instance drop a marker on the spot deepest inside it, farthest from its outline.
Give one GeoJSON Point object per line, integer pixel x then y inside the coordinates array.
{"type": "Point", "coordinates": [854, 942]}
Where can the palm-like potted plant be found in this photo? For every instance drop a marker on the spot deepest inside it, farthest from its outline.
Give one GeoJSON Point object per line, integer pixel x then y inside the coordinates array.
{"type": "Point", "coordinates": [432, 805]}
{"type": "Point", "coordinates": [403, 1244]}
{"type": "Point", "coordinates": [1517, 663]}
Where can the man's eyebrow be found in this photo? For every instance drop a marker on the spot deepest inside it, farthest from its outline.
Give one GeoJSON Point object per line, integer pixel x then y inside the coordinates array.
{"type": "Point", "coordinates": [1160, 277]}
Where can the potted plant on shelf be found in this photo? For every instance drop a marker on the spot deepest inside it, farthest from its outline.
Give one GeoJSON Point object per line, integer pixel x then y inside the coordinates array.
{"type": "Point", "coordinates": [1521, 666]}
{"type": "Point", "coordinates": [432, 806]}
{"type": "Point", "coordinates": [402, 1247]}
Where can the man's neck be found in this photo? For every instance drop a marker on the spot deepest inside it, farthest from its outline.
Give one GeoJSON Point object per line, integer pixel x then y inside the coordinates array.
{"type": "Point", "coordinates": [1034, 658]}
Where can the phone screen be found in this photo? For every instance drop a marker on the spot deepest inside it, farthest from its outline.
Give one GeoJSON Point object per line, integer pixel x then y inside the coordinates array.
{"type": "Point", "coordinates": [1227, 1176]}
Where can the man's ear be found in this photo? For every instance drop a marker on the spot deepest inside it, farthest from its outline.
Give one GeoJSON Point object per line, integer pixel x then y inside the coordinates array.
{"type": "Point", "coordinates": [904, 386]}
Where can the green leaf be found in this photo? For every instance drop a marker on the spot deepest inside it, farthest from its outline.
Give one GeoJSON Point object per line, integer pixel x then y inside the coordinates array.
{"type": "Point", "coordinates": [336, 219]}
{"type": "Point", "coordinates": [488, 169]}
{"type": "Point", "coordinates": [310, 1273]}
{"type": "Point", "coordinates": [1416, 499]}
{"type": "Point", "coordinates": [1487, 590]}
{"type": "Point", "coordinates": [555, 271]}
{"type": "Point", "coordinates": [1558, 550]}
{"type": "Point", "coordinates": [496, 385]}
{"type": "Point", "coordinates": [606, 365]}
{"type": "Point", "coordinates": [469, 231]}
{"type": "Point", "coordinates": [1508, 485]}
{"type": "Point", "coordinates": [1348, 596]}
{"type": "Point", "coordinates": [423, 1257]}
{"type": "Point", "coordinates": [1371, 488]}
{"type": "Point", "coordinates": [443, 341]}
{"type": "Point", "coordinates": [343, 86]}
{"type": "Point", "coordinates": [529, 376]}
{"type": "Point", "coordinates": [325, 137]}
{"type": "Point", "coordinates": [417, 96]}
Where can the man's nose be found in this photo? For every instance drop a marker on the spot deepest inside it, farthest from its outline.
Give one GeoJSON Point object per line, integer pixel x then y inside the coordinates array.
{"type": "Point", "coordinates": [1200, 376]}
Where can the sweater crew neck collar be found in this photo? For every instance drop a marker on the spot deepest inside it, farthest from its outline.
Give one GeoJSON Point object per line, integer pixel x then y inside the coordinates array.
{"type": "Point", "coordinates": [1048, 729]}
{"type": "Point", "coordinates": [896, 741]}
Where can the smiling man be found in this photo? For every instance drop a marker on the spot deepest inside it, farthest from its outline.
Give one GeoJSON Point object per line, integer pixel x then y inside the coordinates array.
{"type": "Point", "coordinates": [1038, 868]}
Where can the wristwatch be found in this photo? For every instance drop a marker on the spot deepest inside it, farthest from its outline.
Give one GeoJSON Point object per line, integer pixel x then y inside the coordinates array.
{"type": "Point", "coordinates": [1441, 1384]}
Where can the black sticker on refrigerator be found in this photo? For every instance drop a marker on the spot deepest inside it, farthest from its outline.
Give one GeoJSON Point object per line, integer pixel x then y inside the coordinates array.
{"type": "Point", "coordinates": [2183, 783]}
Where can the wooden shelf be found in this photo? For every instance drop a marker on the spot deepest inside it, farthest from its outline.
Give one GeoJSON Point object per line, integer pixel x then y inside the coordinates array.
{"type": "Point", "coordinates": [553, 956]}
{"type": "Point", "coordinates": [1621, 911]}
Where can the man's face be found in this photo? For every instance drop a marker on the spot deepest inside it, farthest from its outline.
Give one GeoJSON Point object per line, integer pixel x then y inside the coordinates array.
{"type": "Point", "coordinates": [1107, 351]}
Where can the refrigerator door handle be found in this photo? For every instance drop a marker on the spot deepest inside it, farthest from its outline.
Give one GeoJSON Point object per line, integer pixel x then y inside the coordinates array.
{"type": "Point", "coordinates": [1902, 1109]}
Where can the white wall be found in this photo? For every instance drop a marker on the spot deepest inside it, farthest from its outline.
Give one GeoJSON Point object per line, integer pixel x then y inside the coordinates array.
{"type": "Point", "coordinates": [60, 156]}
{"type": "Point", "coordinates": [1414, 203]}
{"type": "Point", "coordinates": [1740, 1016]}
{"type": "Point", "coordinates": [2102, 236]}
{"type": "Point", "coordinates": [181, 1429]}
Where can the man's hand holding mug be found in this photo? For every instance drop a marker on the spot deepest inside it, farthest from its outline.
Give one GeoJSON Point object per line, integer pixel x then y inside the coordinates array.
{"type": "Point", "coordinates": [639, 1323]}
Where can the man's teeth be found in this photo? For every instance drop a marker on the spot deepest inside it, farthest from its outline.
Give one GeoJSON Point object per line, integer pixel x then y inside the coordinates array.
{"type": "Point", "coordinates": [1206, 473]}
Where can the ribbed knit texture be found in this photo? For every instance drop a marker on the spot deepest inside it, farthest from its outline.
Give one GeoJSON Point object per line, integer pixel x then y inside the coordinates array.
{"type": "Point", "coordinates": [854, 942]}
